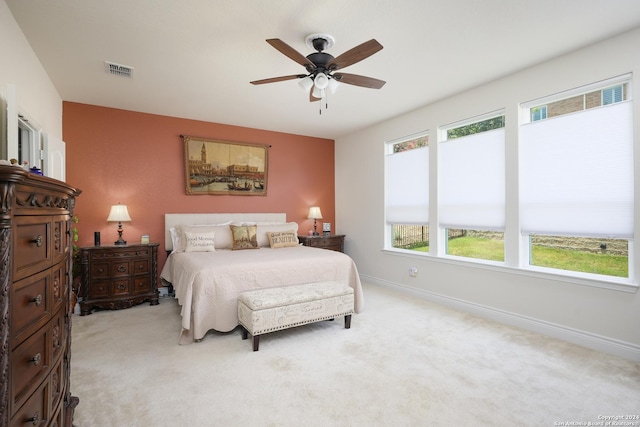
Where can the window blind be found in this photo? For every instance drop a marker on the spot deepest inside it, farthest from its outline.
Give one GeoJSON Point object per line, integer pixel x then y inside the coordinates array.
{"type": "Point", "coordinates": [407, 187]}
{"type": "Point", "coordinates": [472, 181]}
{"type": "Point", "coordinates": [576, 174]}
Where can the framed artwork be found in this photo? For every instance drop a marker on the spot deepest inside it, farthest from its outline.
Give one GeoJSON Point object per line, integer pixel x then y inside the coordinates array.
{"type": "Point", "coordinates": [222, 167]}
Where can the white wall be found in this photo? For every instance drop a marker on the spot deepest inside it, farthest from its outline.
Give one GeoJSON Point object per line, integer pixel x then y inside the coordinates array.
{"type": "Point", "coordinates": [35, 94]}
{"type": "Point", "coordinates": [599, 318]}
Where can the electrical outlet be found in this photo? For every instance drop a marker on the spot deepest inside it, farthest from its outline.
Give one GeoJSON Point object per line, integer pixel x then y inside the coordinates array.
{"type": "Point", "coordinates": [413, 271]}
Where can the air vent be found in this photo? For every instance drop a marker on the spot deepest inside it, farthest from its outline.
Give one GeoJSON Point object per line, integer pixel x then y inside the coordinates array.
{"type": "Point", "coordinates": [118, 69]}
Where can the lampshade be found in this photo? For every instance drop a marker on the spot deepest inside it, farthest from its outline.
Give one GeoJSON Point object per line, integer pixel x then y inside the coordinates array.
{"type": "Point", "coordinates": [321, 81]}
{"type": "Point", "coordinates": [306, 83]}
{"type": "Point", "coordinates": [314, 213]}
{"type": "Point", "coordinates": [119, 213]}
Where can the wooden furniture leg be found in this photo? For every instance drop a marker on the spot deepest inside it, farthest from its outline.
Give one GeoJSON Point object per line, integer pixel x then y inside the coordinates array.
{"type": "Point", "coordinates": [347, 321]}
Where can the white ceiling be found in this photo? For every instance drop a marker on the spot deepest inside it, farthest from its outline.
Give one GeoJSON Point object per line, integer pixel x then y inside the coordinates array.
{"type": "Point", "coordinates": [194, 59]}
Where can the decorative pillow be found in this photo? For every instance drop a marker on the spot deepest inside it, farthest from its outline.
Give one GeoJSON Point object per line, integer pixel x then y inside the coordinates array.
{"type": "Point", "coordinates": [200, 242]}
{"type": "Point", "coordinates": [264, 229]}
{"type": "Point", "coordinates": [282, 239]}
{"type": "Point", "coordinates": [244, 237]}
{"type": "Point", "coordinates": [223, 238]}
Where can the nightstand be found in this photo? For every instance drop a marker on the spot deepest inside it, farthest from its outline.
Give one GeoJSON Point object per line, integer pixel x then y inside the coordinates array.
{"type": "Point", "coordinates": [115, 277]}
{"type": "Point", "coordinates": [335, 242]}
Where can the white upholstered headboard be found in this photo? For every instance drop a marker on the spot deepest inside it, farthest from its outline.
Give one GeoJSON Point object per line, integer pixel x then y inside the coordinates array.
{"type": "Point", "coordinates": [173, 220]}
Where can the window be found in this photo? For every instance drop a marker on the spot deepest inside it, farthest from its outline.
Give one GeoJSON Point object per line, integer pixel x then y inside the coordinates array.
{"type": "Point", "coordinates": [407, 193]}
{"type": "Point", "coordinates": [28, 143]}
{"type": "Point", "coordinates": [472, 187]}
{"type": "Point", "coordinates": [576, 181]}
{"type": "Point", "coordinates": [560, 106]}
{"type": "Point", "coordinates": [612, 95]}
{"type": "Point", "coordinates": [539, 113]}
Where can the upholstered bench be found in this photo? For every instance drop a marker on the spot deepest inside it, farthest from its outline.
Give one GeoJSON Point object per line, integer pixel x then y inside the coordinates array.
{"type": "Point", "coordinates": [272, 309]}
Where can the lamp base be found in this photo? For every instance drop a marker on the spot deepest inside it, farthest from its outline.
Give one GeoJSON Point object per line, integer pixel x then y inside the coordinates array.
{"type": "Point", "coordinates": [120, 242]}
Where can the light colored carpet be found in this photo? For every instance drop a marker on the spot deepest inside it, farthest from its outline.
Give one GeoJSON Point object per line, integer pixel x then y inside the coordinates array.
{"type": "Point", "coordinates": [404, 362]}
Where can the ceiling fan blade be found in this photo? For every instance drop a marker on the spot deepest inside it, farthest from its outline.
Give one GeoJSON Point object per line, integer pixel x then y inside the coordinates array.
{"type": "Point", "coordinates": [291, 53]}
{"type": "Point", "coordinates": [278, 79]}
{"type": "Point", "coordinates": [357, 54]}
{"type": "Point", "coordinates": [356, 80]}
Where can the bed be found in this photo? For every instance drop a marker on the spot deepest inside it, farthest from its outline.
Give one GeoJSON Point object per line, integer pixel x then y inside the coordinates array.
{"type": "Point", "coordinates": [215, 257]}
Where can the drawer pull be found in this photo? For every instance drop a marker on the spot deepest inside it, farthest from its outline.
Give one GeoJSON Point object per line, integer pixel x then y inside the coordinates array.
{"type": "Point", "coordinates": [33, 420]}
{"type": "Point", "coordinates": [37, 300]}
{"type": "Point", "coordinates": [37, 241]}
{"type": "Point", "coordinates": [36, 359]}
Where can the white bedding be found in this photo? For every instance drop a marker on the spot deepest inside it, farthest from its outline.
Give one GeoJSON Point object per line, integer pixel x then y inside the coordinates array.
{"type": "Point", "coordinates": [207, 284]}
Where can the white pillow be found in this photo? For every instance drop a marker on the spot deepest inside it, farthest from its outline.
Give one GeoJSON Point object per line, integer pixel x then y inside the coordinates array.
{"type": "Point", "coordinates": [263, 229]}
{"type": "Point", "coordinates": [199, 241]}
{"type": "Point", "coordinates": [175, 239]}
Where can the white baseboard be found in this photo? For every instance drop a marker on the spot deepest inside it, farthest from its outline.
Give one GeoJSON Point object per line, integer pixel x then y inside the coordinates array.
{"type": "Point", "coordinates": [575, 336]}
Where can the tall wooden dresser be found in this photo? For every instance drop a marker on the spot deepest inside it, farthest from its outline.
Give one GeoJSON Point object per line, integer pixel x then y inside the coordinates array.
{"type": "Point", "coordinates": [35, 299]}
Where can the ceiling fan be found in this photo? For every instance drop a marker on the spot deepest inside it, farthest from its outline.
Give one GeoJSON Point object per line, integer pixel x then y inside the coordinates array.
{"type": "Point", "coordinates": [322, 67]}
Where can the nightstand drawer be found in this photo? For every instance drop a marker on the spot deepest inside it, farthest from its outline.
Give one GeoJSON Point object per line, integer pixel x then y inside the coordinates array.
{"type": "Point", "coordinates": [121, 286]}
{"type": "Point", "coordinates": [141, 285]}
{"type": "Point", "coordinates": [120, 268]}
{"type": "Point", "coordinates": [99, 289]}
{"type": "Point", "coordinates": [141, 266]}
{"type": "Point", "coordinates": [99, 269]}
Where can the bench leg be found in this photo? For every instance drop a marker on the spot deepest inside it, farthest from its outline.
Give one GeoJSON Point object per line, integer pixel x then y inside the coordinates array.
{"type": "Point", "coordinates": [244, 333]}
{"type": "Point", "coordinates": [347, 321]}
{"type": "Point", "coordinates": [256, 342]}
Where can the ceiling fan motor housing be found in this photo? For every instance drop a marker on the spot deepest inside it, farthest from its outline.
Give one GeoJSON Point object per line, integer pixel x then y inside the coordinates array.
{"type": "Point", "coordinates": [320, 59]}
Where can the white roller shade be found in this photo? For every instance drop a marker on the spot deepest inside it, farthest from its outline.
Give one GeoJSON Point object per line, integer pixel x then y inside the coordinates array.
{"type": "Point", "coordinates": [472, 181]}
{"type": "Point", "coordinates": [576, 174]}
{"type": "Point", "coordinates": [407, 187]}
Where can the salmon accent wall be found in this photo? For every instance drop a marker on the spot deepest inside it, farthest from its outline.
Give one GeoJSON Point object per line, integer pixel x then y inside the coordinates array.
{"type": "Point", "coordinates": [137, 159]}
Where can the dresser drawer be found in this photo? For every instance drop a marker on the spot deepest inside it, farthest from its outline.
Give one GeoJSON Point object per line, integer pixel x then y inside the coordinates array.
{"type": "Point", "coordinates": [57, 386]}
{"type": "Point", "coordinates": [30, 364]}
{"type": "Point", "coordinates": [31, 305]}
{"type": "Point", "coordinates": [58, 335]}
{"type": "Point", "coordinates": [59, 288]}
{"type": "Point", "coordinates": [61, 239]}
{"type": "Point", "coordinates": [36, 409]}
{"type": "Point", "coordinates": [32, 246]}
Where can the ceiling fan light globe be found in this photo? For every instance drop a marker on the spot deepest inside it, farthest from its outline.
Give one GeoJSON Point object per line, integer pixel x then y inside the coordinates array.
{"type": "Point", "coordinates": [317, 92]}
{"type": "Point", "coordinates": [333, 86]}
{"type": "Point", "coordinates": [321, 81]}
{"type": "Point", "coordinates": [306, 83]}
